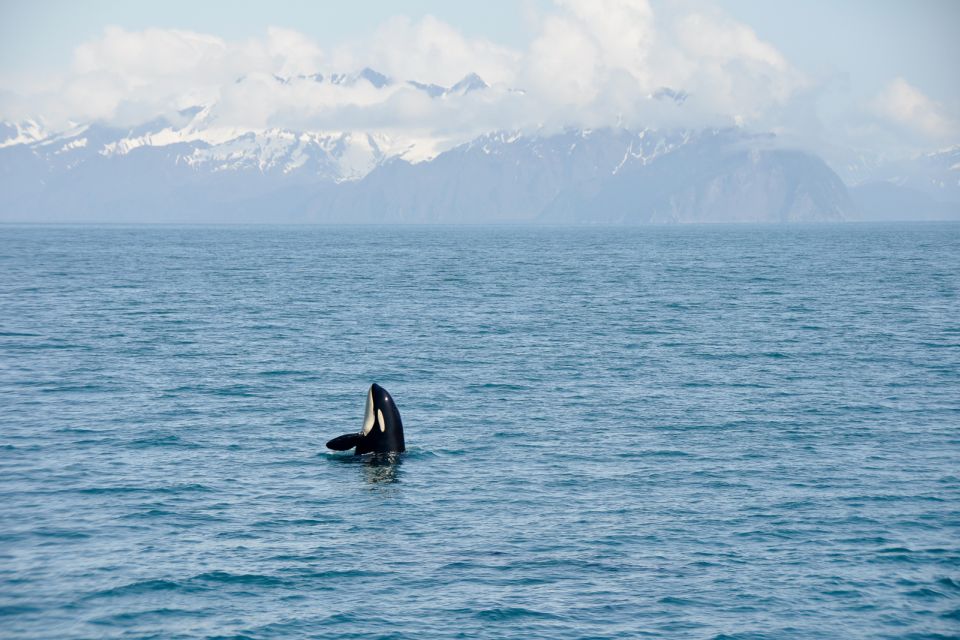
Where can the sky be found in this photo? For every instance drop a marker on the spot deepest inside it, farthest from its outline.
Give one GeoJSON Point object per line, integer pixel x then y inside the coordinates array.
{"type": "Point", "coordinates": [865, 75]}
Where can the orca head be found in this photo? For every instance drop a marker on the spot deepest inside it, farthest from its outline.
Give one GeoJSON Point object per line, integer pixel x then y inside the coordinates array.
{"type": "Point", "coordinates": [382, 430]}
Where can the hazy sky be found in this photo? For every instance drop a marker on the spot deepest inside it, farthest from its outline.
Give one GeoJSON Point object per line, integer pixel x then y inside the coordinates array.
{"type": "Point", "coordinates": [878, 73]}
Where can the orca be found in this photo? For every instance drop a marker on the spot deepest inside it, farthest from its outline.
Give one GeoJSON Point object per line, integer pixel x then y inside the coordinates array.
{"type": "Point", "coordinates": [382, 430]}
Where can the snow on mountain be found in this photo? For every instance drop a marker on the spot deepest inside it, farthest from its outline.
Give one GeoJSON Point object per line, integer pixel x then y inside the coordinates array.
{"type": "Point", "coordinates": [335, 156]}
{"type": "Point", "coordinates": [164, 172]}
{"type": "Point", "coordinates": [26, 132]}
{"type": "Point", "coordinates": [927, 185]}
{"type": "Point", "coordinates": [469, 83]}
{"type": "Point", "coordinates": [943, 171]}
{"type": "Point", "coordinates": [600, 176]}
{"type": "Point", "coordinates": [192, 165]}
{"type": "Point", "coordinates": [371, 76]}
{"type": "Point", "coordinates": [205, 143]}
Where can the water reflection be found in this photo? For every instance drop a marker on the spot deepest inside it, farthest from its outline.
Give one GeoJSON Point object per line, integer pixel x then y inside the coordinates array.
{"type": "Point", "coordinates": [378, 468]}
{"type": "Point", "coordinates": [383, 468]}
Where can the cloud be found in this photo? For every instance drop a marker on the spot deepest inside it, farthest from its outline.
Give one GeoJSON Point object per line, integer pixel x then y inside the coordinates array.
{"type": "Point", "coordinates": [428, 50]}
{"type": "Point", "coordinates": [622, 33]}
{"type": "Point", "coordinates": [905, 105]}
{"type": "Point", "coordinates": [732, 67]}
{"type": "Point", "coordinates": [590, 63]}
{"type": "Point", "coordinates": [604, 61]}
{"type": "Point", "coordinates": [146, 55]}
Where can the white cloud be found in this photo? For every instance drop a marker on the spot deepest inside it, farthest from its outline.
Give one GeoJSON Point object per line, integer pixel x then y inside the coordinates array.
{"type": "Point", "coordinates": [428, 50]}
{"type": "Point", "coordinates": [730, 70]}
{"type": "Point", "coordinates": [604, 60]}
{"type": "Point", "coordinates": [902, 103]}
{"type": "Point", "coordinates": [624, 31]}
{"type": "Point", "coordinates": [591, 63]}
{"type": "Point", "coordinates": [146, 55]}
{"type": "Point", "coordinates": [714, 38]}
{"type": "Point", "coordinates": [562, 64]}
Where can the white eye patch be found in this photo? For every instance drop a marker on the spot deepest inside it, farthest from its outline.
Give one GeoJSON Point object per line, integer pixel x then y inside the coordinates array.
{"type": "Point", "coordinates": [368, 414]}
{"type": "Point", "coordinates": [380, 420]}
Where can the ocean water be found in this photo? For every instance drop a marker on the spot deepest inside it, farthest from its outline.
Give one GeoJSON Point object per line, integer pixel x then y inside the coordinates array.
{"type": "Point", "coordinates": [684, 432]}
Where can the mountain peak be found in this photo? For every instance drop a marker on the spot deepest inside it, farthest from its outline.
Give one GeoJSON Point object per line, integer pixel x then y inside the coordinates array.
{"type": "Point", "coordinates": [432, 90]}
{"type": "Point", "coordinates": [470, 82]}
{"type": "Point", "coordinates": [374, 77]}
{"type": "Point", "coordinates": [666, 93]}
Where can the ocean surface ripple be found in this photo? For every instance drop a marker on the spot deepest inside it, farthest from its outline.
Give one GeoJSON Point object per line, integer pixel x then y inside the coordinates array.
{"type": "Point", "coordinates": [685, 432]}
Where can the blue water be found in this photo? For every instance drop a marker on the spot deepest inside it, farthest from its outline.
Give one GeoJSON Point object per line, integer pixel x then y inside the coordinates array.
{"type": "Point", "coordinates": [685, 432]}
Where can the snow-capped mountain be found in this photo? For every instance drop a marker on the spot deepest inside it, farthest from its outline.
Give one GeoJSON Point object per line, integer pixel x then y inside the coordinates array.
{"type": "Point", "coordinates": [193, 166]}
{"type": "Point", "coordinates": [925, 186]}
{"type": "Point", "coordinates": [602, 176]}
{"type": "Point", "coordinates": [200, 143]}
{"type": "Point", "coordinates": [201, 140]}
{"type": "Point", "coordinates": [936, 174]}
{"type": "Point", "coordinates": [939, 174]}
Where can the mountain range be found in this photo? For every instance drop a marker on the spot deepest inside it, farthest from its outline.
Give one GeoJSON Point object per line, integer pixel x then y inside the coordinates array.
{"type": "Point", "coordinates": [190, 167]}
